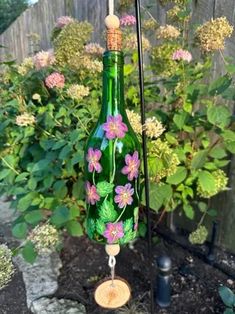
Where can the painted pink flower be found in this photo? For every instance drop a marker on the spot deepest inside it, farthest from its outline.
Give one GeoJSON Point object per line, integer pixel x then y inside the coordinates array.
{"type": "Point", "coordinates": [93, 156]}
{"type": "Point", "coordinates": [114, 127]}
{"type": "Point", "coordinates": [182, 55]}
{"type": "Point", "coordinates": [136, 226]}
{"type": "Point", "coordinates": [128, 20]}
{"type": "Point", "coordinates": [43, 59]}
{"type": "Point", "coordinates": [55, 80]}
{"type": "Point", "coordinates": [63, 21]}
{"type": "Point", "coordinates": [132, 166]}
{"type": "Point", "coordinates": [114, 231]}
{"type": "Point", "coordinates": [124, 195]}
{"type": "Point", "coordinates": [91, 194]}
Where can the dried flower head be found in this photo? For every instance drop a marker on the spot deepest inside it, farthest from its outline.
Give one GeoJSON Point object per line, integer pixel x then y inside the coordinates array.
{"type": "Point", "coordinates": [167, 32]}
{"type": "Point", "coordinates": [221, 181]}
{"type": "Point", "coordinates": [128, 20]}
{"type": "Point", "coordinates": [153, 127]}
{"type": "Point", "coordinates": [198, 236]}
{"type": "Point", "coordinates": [70, 41]}
{"type": "Point", "coordinates": [44, 59]}
{"type": "Point", "coordinates": [77, 92]}
{"type": "Point", "coordinates": [179, 2]}
{"type": "Point", "coordinates": [172, 14]}
{"type": "Point", "coordinates": [55, 80]}
{"type": "Point", "coordinates": [25, 119]}
{"type": "Point", "coordinates": [150, 24]}
{"type": "Point", "coordinates": [45, 238]}
{"type": "Point", "coordinates": [130, 42]}
{"type": "Point", "coordinates": [125, 4]}
{"type": "Point", "coordinates": [94, 49]}
{"type": "Point", "coordinates": [63, 21]}
{"type": "Point", "coordinates": [211, 35]}
{"type": "Point", "coordinates": [25, 66]}
{"type": "Point", "coordinates": [181, 54]}
{"type": "Point", "coordinates": [6, 266]}
{"type": "Point", "coordinates": [162, 160]}
{"type": "Point", "coordinates": [135, 121]}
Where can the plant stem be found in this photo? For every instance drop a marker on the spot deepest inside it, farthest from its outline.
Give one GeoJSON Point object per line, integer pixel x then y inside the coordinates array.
{"type": "Point", "coordinates": [120, 215]}
{"type": "Point", "coordinates": [136, 189]}
{"type": "Point", "coordinates": [114, 161]}
{"type": "Point", "coordinates": [9, 166]}
{"type": "Point", "coordinates": [93, 177]}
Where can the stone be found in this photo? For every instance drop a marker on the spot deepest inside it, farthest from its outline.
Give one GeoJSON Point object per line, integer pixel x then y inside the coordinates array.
{"type": "Point", "coordinates": [40, 278]}
{"type": "Point", "coordinates": [58, 306]}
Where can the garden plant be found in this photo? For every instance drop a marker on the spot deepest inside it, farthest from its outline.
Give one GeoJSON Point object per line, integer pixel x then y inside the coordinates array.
{"type": "Point", "coordinates": [50, 103]}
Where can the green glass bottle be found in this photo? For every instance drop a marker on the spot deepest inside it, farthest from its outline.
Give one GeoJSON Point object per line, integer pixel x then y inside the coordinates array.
{"type": "Point", "coordinates": [112, 163]}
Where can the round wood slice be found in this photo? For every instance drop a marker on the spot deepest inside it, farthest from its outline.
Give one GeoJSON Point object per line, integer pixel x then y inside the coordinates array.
{"type": "Point", "coordinates": [112, 297]}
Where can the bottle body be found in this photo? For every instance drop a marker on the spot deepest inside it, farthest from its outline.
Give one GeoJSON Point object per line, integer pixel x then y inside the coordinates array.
{"type": "Point", "coordinates": [112, 164]}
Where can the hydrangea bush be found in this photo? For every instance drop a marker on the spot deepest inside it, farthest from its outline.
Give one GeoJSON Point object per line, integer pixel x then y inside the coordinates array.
{"type": "Point", "coordinates": [50, 102]}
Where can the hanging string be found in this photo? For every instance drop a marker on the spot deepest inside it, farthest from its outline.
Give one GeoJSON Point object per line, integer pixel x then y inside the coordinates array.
{"type": "Point", "coordinates": [111, 7]}
{"type": "Point", "coordinates": [112, 263]}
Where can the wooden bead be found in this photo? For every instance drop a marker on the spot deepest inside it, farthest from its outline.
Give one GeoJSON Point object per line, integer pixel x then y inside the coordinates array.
{"type": "Point", "coordinates": [112, 249]}
{"type": "Point", "coordinates": [112, 21]}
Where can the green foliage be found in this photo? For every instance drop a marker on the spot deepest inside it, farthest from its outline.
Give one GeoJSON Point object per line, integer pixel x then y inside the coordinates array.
{"type": "Point", "coordinates": [41, 162]}
{"type": "Point", "coordinates": [9, 11]}
{"type": "Point", "coordinates": [228, 297]}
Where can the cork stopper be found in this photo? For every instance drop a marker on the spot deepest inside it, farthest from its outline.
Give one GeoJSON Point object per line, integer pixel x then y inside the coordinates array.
{"type": "Point", "coordinates": [114, 39]}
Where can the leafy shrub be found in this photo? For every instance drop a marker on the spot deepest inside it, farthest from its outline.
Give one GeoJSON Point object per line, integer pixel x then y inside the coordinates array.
{"type": "Point", "coordinates": [49, 105]}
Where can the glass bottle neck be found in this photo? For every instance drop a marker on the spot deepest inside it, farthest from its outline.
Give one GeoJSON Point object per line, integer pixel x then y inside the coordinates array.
{"type": "Point", "coordinates": [113, 83]}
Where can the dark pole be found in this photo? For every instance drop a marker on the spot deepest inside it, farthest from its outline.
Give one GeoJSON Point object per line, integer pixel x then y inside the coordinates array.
{"type": "Point", "coordinates": [144, 144]}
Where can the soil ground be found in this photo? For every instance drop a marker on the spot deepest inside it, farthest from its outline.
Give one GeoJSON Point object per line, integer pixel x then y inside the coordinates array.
{"type": "Point", "coordinates": [194, 283]}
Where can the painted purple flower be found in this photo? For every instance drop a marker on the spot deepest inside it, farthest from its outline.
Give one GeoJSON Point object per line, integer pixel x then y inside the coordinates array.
{"type": "Point", "coordinates": [113, 232]}
{"type": "Point", "coordinates": [182, 55]}
{"type": "Point", "coordinates": [124, 195]}
{"type": "Point", "coordinates": [91, 194]}
{"type": "Point", "coordinates": [93, 156]}
{"type": "Point", "coordinates": [114, 127]}
{"type": "Point", "coordinates": [132, 166]}
{"type": "Point", "coordinates": [128, 20]}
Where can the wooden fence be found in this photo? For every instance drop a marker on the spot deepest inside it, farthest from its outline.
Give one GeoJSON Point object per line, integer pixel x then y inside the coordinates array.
{"type": "Point", "coordinates": [40, 18]}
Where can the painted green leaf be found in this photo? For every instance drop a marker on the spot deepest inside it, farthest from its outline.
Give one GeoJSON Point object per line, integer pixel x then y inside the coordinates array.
{"type": "Point", "coordinates": [206, 180]}
{"type": "Point", "coordinates": [136, 214]}
{"type": "Point", "coordinates": [129, 236]}
{"type": "Point", "coordinates": [21, 177]}
{"type": "Point", "coordinates": [78, 189]}
{"type": "Point", "coordinates": [199, 159]}
{"type": "Point", "coordinates": [128, 224]}
{"type": "Point", "coordinates": [178, 177]}
{"type": "Point", "coordinates": [90, 227]}
{"type": "Point", "coordinates": [107, 212]}
{"type": "Point", "coordinates": [20, 230]}
{"type": "Point", "coordinates": [230, 146]}
{"type": "Point", "coordinates": [218, 116]}
{"type": "Point", "coordinates": [100, 226]}
{"type": "Point", "coordinates": [41, 165]}
{"type": "Point", "coordinates": [104, 188]}
{"type": "Point", "coordinates": [29, 253]}
{"type": "Point", "coordinates": [74, 228]}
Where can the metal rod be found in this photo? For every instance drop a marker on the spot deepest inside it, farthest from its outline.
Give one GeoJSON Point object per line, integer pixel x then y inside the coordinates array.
{"type": "Point", "coordinates": [144, 145]}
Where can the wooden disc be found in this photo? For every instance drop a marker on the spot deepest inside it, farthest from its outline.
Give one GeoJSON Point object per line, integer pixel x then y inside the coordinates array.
{"type": "Point", "coordinates": [112, 297]}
